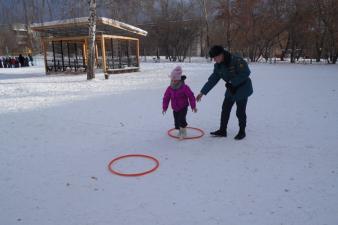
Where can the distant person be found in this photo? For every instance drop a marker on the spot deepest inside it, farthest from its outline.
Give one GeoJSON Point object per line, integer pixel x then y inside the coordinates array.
{"type": "Point", "coordinates": [235, 72]}
{"type": "Point", "coordinates": [4, 62]}
{"type": "Point", "coordinates": [1, 63]}
{"type": "Point", "coordinates": [181, 97]}
{"type": "Point", "coordinates": [21, 60]}
{"type": "Point", "coordinates": [11, 62]}
{"type": "Point", "coordinates": [7, 62]}
{"type": "Point", "coordinates": [30, 59]}
{"type": "Point", "coordinates": [16, 62]}
{"type": "Point", "coordinates": [26, 62]}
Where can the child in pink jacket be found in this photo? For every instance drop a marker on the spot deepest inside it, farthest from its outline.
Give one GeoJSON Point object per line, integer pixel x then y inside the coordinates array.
{"type": "Point", "coordinates": [180, 96]}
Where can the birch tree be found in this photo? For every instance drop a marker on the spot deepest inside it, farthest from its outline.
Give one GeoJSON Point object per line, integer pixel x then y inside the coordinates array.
{"type": "Point", "coordinates": [92, 31]}
{"type": "Point", "coordinates": [206, 45]}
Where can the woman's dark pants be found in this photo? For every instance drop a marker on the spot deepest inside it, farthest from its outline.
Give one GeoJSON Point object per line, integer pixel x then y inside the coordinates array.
{"type": "Point", "coordinates": [240, 112]}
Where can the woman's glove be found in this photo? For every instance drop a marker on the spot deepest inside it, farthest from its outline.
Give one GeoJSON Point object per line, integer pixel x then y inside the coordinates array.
{"type": "Point", "coordinates": [231, 88]}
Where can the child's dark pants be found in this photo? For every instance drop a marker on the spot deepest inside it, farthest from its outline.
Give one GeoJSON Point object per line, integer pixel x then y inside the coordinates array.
{"type": "Point", "coordinates": [180, 118]}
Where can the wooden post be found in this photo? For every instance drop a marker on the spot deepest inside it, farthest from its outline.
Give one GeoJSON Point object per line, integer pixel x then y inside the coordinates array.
{"type": "Point", "coordinates": [69, 65]}
{"type": "Point", "coordinates": [84, 51]}
{"type": "Point", "coordinates": [119, 52]}
{"type": "Point", "coordinates": [54, 56]}
{"type": "Point", "coordinates": [62, 57]}
{"type": "Point", "coordinates": [96, 55]}
{"type": "Point", "coordinates": [138, 52]}
{"type": "Point", "coordinates": [112, 52]}
{"type": "Point", "coordinates": [44, 44]}
{"type": "Point", "coordinates": [128, 59]}
{"type": "Point", "coordinates": [103, 50]}
{"type": "Point", "coordinates": [75, 60]}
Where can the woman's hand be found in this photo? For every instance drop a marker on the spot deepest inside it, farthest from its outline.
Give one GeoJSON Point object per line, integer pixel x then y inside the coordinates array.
{"type": "Point", "coordinates": [199, 97]}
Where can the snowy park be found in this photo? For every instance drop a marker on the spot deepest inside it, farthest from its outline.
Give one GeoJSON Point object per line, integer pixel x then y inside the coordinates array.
{"type": "Point", "coordinates": [59, 133]}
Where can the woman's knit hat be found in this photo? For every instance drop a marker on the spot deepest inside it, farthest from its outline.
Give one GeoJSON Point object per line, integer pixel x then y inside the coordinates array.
{"type": "Point", "coordinates": [216, 50]}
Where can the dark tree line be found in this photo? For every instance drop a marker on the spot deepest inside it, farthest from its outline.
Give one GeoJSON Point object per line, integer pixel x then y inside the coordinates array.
{"type": "Point", "coordinates": [269, 28]}
{"type": "Point", "coordinates": [253, 28]}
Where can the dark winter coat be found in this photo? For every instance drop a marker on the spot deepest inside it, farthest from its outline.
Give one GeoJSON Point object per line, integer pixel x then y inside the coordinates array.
{"type": "Point", "coordinates": [237, 73]}
{"type": "Point", "coordinates": [21, 60]}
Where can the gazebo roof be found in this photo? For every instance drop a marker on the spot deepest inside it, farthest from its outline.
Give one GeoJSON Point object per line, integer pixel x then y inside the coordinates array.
{"type": "Point", "coordinates": [79, 27]}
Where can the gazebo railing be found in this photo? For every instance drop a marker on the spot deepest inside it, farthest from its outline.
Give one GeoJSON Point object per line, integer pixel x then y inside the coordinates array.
{"type": "Point", "coordinates": [118, 53]}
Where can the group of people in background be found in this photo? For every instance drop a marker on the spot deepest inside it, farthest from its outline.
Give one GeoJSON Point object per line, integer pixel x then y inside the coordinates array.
{"type": "Point", "coordinates": [16, 62]}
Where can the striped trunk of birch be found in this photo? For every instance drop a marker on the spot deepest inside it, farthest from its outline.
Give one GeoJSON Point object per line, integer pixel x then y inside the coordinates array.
{"type": "Point", "coordinates": [92, 31]}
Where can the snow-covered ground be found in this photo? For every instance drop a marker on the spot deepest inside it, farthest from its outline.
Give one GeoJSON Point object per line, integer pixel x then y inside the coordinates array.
{"type": "Point", "coordinates": [58, 134]}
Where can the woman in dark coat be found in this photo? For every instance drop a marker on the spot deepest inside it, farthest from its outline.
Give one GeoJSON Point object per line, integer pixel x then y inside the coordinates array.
{"type": "Point", "coordinates": [235, 72]}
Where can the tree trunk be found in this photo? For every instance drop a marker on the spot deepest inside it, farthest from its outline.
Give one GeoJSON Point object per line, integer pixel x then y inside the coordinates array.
{"type": "Point", "coordinates": [207, 44]}
{"type": "Point", "coordinates": [292, 54]}
{"type": "Point", "coordinates": [318, 53]}
{"type": "Point", "coordinates": [92, 31]}
{"type": "Point", "coordinates": [228, 26]}
{"type": "Point", "coordinates": [293, 47]}
{"type": "Point", "coordinates": [27, 22]}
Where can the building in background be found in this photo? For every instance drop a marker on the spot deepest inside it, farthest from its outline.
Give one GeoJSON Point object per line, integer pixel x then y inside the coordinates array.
{"type": "Point", "coordinates": [15, 39]}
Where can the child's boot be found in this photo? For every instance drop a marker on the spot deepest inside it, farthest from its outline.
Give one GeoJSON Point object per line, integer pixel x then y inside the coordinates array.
{"type": "Point", "coordinates": [184, 132]}
{"type": "Point", "coordinates": [181, 134]}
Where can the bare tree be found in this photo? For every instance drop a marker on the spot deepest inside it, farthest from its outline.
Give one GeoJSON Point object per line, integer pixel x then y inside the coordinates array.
{"type": "Point", "coordinates": [173, 28]}
{"type": "Point", "coordinates": [254, 28]}
{"type": "Point", "coordinates": [124, 10]}
{"type": "Point", "coordinates": [206, 46]}
{"type": "Point", "coordinates": [92, 32]}
{"type": "Point", "coordinates": [328, 14]}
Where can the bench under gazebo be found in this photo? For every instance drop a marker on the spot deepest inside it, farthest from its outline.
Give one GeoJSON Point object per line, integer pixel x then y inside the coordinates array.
{"type": "Point", "coordinates": [65, 44]}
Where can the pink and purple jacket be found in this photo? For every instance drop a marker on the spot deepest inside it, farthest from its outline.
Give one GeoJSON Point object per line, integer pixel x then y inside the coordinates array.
{"type": "Point", "coordinates": [179, 98]}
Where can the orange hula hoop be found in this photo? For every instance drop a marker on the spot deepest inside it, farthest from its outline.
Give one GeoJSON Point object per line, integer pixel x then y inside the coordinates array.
{"type": "Point", "coordinates": [187, 138]}
{"type": "Point", "coordinates": [157, 164]}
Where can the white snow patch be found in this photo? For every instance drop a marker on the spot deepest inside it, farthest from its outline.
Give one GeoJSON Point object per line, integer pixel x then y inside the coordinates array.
{"type": "Point", "coordinates": [58, 134]}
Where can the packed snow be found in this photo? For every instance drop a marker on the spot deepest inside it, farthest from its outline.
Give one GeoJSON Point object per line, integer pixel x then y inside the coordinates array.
{"type": "Point", "coordinates": [59, 133]}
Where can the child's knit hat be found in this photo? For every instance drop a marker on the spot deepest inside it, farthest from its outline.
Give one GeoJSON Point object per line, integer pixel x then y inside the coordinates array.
{"type": "Point", "coordinates": [176, 73]}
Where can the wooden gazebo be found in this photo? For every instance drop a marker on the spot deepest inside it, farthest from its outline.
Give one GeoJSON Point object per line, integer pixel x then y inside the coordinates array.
{"type": "Point", "coordinates": [65, 44]}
